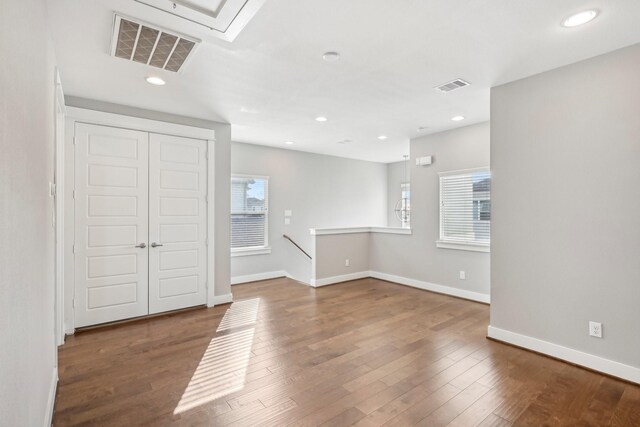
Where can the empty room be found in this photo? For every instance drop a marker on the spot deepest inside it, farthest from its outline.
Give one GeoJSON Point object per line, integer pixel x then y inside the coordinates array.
{"type": "Point", "coordinates": [319, 213]}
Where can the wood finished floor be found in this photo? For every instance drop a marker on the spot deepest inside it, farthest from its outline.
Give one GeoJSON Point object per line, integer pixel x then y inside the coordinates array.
{"type": "Point", "coordinates": [365, 353]}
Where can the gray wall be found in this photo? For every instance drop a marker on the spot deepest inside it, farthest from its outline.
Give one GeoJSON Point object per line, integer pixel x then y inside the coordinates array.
{"type": "Point", "coordinates": [322, 191]}
{"type": "Point", "coordinates": [416, 256]}
{"type": "Point", "coordinates": [27, 348]}
{"type": "Point", "coordinates": [222, 190]}
{"type": "Point", "coordinates": [395, 178]}
{"type": "Point", "coordinates": [565, 154]}
{"type": "Point", "coordinates": [333, 249]}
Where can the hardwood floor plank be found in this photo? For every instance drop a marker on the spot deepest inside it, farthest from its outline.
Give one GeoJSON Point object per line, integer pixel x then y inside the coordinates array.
{"type": "Point", "coordinates": [365, 353]}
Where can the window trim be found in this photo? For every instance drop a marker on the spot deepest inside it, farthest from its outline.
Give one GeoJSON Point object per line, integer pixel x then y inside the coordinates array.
{"type": "Point", "coordinates": [452, 243]}
{"type": "Point", "coordinates": [254, 250]}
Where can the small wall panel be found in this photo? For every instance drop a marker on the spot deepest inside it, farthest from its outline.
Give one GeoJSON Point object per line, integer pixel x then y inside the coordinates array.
{"type": "Point", "coordinates": [111, 235]}
{"type": "Point", "coordinates": [109, 146]}
{"type": "Point", "coordinates": [178, 286]}
{"type": "Point", "coordinates": [178, 233]}
{"type": "Point", "coordinates": [178, 206]}
{"type": "Point", "coordinates": [175, 260]}
{"type": "Point", "coordinates": [175, 153]}
{"type": "Point", "coordinates": [177, 180]}
{"type": "Point", "coordinates": [121, 206]}
{"type": "Point", "coordinates": [114, 265]}
{"type": "Point", "coordinates": [113, 176]}
{"type": "Point", "coordinates": [106, 296]}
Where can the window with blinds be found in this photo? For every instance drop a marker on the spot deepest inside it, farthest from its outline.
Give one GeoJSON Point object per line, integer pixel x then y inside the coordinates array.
{"type": "Point", "coordinates": [465, 208]}
{"type": "Point", "coordinates": [249, 210]}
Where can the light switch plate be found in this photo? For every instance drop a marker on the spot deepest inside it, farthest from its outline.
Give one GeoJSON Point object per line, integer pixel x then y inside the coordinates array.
{"type": "Point", "coordinates": [287, 221]}
{"type": "Point", "coordinates": [287, 212]}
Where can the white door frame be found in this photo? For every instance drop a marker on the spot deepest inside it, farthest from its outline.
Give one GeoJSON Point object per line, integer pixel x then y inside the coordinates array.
{"type": "Point", "coordinates": [80, 115]}
{"type": "Point", "coordinates": [60, 112]}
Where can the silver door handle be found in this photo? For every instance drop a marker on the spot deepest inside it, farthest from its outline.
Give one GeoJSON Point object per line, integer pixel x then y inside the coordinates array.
{"type": "Point", "coordinates": [141, 245]}
{"type": "Point", "coordinates": [155, 245]}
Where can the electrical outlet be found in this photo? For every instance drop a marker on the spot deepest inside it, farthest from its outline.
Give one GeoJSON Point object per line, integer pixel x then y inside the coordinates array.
{"type": "Point", "coordinates": [287, 221]}
{"type": "Point", "coordinates": [595, 329]}
{"type": "Point", "coordinates": [463, 275]}
{"type": "Point", "coordinates": [346, 263]}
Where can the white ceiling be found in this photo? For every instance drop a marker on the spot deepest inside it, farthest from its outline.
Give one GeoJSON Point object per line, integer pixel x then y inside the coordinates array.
{"type": "Point", "coordinates": [271, 82]}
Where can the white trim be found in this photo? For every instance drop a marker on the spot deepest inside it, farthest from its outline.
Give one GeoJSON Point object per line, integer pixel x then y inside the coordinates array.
{"type": "Point", "coordinates": [95, 117]}
{"type": "Point", "coordinates": [316, 283]}
{"type": "Point", "coordinates": [51, 400]}
{"type": "Point", "coordinates": [236, 280]}
{"type": "Point", "coordinates": [250, 251]}
{"type": "Point", "coordinates": [220, 299]}
{"type": "Point", "coordinates": [473, 247]}
{"type": "Point", "coordinates": [441, 289]}
{"type": "Point", "coordinates": [351, 230]}
{"type": "Point", "coordinates": [60, 121]}
{"type": "Point", "coordinates": [464, 171]}
{"type": "Point", "coordinates": [211, 222]}
{"type": "Point", "coordinates": [597, 363]}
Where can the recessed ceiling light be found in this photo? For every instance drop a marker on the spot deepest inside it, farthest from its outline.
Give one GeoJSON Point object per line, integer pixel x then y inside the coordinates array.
{"type": "Point", "coordinates": [579, 18]}
{"type": "Point", "coordinates": [457, 118]}
{"type": "Point", "coordinates": [382, 137]}
{"type": "Point", "coordinates": [321, 119]}
{"type": "Point", "coordinates": [331, 56]}
{"type": "Point", "coordinates": [289, 142]}
{"type": "Point", "coordinates": [157, 81]}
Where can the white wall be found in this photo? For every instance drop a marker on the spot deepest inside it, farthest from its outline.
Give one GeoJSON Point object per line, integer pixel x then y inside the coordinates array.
{"type": "Point", "coordinates": [566, 206]}
{"type": "Point", "coordinates": [395, 178]}
{"type": "Point", "coordinates": [27, 347]}
{"type": "Point", "coordinates": [416, 256]}
{"type": "Point", "coordinates": [322, 191]}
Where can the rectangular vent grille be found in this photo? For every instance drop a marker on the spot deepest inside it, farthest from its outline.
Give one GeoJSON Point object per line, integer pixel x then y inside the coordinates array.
{"type": "Point", "coordinates": [145, 44]}
{"type": "Point", "coordinates": [448, 87]}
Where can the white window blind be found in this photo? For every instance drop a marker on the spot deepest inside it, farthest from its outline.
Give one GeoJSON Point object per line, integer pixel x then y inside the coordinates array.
{"type": "Point", "coordinates": [465, 207]}
{"type": "Point", "coordinates": [249, 209]}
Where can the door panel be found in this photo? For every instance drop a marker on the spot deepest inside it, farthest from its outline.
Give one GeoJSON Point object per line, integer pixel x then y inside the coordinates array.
{"type": "Point", "coordinates": [177, 221]}
{"type": "Point", "coordinates": [111, 218]}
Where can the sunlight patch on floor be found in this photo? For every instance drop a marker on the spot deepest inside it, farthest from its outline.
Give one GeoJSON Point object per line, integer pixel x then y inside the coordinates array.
{"type": "Point", "coordinates": [223, 367]}
{"type": "Point", "coordinates": [241, 313]}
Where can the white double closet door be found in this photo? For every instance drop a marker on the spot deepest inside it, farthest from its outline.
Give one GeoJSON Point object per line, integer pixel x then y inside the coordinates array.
{"type": "Point", "coordinates": [140, 223]}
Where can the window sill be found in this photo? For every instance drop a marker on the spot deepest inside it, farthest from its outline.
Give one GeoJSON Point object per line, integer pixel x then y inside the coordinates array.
{"type": "Point", "coordinates": [473, 247]}
{"type": "Point", "coordinates": [250, 251]}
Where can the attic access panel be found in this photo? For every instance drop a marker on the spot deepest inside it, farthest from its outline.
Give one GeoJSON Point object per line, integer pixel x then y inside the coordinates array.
{"type": "Point", "coordinates": [140, 42]}
{"type": "Point", "coordinates": [224, 18]}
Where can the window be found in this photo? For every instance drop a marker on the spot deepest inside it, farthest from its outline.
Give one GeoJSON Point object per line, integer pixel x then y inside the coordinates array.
{"type": "Point", "coordinates": [465, 210]}
{"type": "Point", "coordinates": [249, 215]}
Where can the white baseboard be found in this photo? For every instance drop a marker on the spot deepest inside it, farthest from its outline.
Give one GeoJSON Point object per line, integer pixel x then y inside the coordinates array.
{"type": "Point", "coordinates": [337, 279]}
{"type": "Point", "coordinates": [441, 289]}
{"type": "Point", "coordinates": [51, 401]}
{"type": "Point", "coordinates": [220, 299]}
{"type": "Point", "coordinates": [255, 277]}
{"type": "Point", "coordinates": [597, 363]}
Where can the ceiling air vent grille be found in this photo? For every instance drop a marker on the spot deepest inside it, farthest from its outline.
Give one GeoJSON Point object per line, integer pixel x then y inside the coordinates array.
{"type": "Point", "coordinates": [453, 85]}
{"type": "Point", "coordinates": [146, 44]}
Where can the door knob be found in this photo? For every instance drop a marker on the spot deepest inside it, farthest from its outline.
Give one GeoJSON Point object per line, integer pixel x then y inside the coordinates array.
{"type": "Point", "coordinates": [155, 245]}
{"type": "Point", "coordinates": [141, 245]}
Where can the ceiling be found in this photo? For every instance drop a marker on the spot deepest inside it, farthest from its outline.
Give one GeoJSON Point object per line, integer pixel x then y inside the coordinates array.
{"type": "Point", "coordinates": [271, 82]}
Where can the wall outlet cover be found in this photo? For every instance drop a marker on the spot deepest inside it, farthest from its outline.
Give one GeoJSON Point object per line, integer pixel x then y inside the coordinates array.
{"type": "Point", "coordinates": [463, 275]}
{"type": "Point", "coordinates": [595, 329]}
